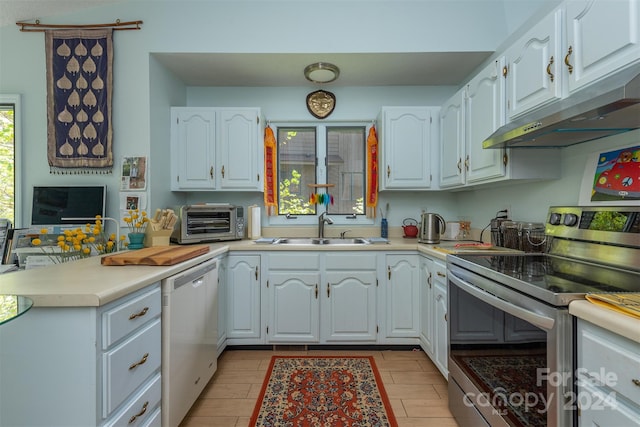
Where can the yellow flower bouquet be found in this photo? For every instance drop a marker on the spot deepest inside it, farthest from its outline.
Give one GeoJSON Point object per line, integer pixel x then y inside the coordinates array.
{"type": "Point", "coordinates": [78, 243]}
{"type": "Point", "coordinates": [136, 221]}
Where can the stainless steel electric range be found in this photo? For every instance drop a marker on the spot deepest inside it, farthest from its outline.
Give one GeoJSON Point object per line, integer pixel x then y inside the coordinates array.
{"type": "Point", "coordinates": [511, 338]}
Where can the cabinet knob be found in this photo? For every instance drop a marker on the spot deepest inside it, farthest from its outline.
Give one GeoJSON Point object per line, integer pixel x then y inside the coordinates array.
{"type": "Point", "coordinates": [222, 171]}
{"type": "Point", "coordinates": [466, 163]}
{"type": "Point", "coordinates": [388, 171]}
{"type": "Point", "coordinates": [211, 172]}
{"type": "Point", "coordinates": [459, 165]}
{"type": "Point", "coordinates": [566, 60]}
{"type": "Point", "coordinates": [549, 69]}
{"type": "Point", "coordinates": [636, 382]}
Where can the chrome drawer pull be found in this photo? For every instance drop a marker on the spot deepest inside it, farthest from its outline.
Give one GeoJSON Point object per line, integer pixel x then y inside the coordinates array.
{"type": "Point", "coordinates": [139, 414]}
{"type": "Point", "coordinates": [141, 362]}
{"type": "Point", "coordinates": [142, 313]}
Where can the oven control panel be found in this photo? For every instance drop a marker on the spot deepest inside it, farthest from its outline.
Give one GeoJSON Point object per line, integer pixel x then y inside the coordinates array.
{"type": "Point", "coordinates": [618, 225]}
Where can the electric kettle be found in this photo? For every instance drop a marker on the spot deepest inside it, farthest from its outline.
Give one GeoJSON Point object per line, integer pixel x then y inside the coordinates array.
{"type": "Point", "coordinates": [431, 226]}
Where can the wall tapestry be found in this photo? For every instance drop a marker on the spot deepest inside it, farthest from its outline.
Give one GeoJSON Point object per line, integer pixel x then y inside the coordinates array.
{"type": "Point", "coordinates": [79, 87]}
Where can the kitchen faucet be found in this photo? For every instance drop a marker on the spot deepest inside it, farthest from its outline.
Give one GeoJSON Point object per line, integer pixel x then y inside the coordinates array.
{"type": "Point", "coordinates": [322, 219]}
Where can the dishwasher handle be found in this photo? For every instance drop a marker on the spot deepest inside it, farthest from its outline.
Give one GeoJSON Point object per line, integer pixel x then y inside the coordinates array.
{"type": "Point", "coordinates": [194, 273]}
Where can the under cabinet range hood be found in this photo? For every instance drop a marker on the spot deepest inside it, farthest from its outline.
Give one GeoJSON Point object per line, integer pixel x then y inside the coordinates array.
{"type": "Point", "coordinates": [609, 107]}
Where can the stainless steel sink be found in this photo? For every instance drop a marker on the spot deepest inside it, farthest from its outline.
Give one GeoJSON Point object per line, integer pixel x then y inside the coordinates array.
{"type": "Point", "coordinates": [320, 241]}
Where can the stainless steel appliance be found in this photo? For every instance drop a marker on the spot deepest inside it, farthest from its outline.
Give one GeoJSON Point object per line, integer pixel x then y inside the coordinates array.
{"type": "Point", "coordinates": [208, 222]}
{"type": "Point", "coordinates": [511, 338]}
{"type": "Point", "coordinates": [431, 226]}
{"type": "Point", "coordinates": [608, 108]}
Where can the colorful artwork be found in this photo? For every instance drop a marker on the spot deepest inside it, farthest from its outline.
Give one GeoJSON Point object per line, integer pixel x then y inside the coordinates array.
{"type": "Point", "coordinates": [617, 175]}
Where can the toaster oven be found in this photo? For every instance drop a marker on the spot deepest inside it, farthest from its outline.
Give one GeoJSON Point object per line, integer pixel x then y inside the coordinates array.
{"type": "Point", "coordinates": [208, 222]}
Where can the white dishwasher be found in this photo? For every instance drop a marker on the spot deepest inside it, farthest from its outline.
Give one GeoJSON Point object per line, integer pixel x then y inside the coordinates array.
{"type": "Point", "coordinates": [189, 338]}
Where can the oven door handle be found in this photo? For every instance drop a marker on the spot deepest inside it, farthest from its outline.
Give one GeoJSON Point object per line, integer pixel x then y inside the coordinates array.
{"type": "Point", "coordinates": [535, 319]}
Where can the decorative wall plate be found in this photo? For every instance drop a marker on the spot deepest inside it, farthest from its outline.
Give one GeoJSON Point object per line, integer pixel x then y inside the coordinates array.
{"type": "Point", "coordinates": [321, 103]}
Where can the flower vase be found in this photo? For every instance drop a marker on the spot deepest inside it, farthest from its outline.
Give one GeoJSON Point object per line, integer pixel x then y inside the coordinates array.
{"type": "Point", "coordinates": [136, 240]}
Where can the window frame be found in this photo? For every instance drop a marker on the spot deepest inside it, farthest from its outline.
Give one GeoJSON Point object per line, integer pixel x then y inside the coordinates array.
{"type": "Point", "coordinates": [15, 100]}
{"type": "Point", "coordinates": [321, 174]}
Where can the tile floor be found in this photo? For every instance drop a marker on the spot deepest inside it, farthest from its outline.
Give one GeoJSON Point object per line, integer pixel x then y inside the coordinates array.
{"type": "Point", "coordinates": [415, 387]}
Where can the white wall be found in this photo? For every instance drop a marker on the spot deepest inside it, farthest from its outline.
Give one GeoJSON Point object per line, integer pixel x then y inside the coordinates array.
{"type": "Point", "coordinates": [143, 90]}
{"type": "Point", "coordinates": [530, 201]}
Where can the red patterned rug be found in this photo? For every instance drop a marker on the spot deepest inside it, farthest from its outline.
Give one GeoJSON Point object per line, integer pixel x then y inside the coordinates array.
{"type": "Point", "coordinates": [329, 391]}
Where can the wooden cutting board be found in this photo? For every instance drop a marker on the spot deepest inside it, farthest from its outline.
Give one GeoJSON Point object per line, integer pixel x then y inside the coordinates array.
{"type": "Point", "coordinates": [156, 255]}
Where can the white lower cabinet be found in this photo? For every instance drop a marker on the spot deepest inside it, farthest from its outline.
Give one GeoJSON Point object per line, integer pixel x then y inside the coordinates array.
{"type": "Point", "coordinates": [402, 299]}
{"type": "Point", "coordinates": [321, 297]}
{"type": "Point", "coordinates": [293, 287]}
{"type": "Point", "coordinates": [244, 321]}
{"type": "Point", "coordinates": [440, 319]}
{"type": "Point", "coordinates": [433, 311]}
{"type": "Point", "coordinates": [608, 378]}
{"type": "Point", "coordinates": [222, 304]}
{"type": "Point", "coordinates": [84, 365]}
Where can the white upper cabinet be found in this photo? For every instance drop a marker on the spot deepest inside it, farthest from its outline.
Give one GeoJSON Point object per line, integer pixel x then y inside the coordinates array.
{"type": "Point", "coordinates": [603, 36]}
{"type": "Point", "coordinates": [239, 149]}
{"type": "Point", "coordinates": [485, 113]}
{"type": "Point", "coordinates": [192, 148]}
{"type": "Point", "coordinates": [216, 149]}
{"type": "Point", "coordinates": [406, 145]}
{"type": "Point", "coordinates": [452, 128]}
{"type": "Point", "coordinates": [534, 65]}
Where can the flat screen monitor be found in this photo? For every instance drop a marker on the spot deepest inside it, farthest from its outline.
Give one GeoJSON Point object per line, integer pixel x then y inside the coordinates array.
{"type": "Point", "coordinates": [51, 204]}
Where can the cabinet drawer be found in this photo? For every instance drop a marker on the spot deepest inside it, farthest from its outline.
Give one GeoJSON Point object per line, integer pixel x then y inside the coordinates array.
{"type": "Point", "coordinates": [124, 318]}
{"type": "Point", "coordinates": [129, 364]}
{"type": "Point", "coordinates": [140, 410]}
{"type": "Point", "coordinates": [609, 360]}
{"type": "Point", "coordinates": [351, 261]}
{"type": "Point", "coordinates": [295, 261]}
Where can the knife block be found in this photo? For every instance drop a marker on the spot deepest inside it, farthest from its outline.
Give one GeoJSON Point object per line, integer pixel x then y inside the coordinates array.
{"type": "Point", "coordinates": [157, 237]}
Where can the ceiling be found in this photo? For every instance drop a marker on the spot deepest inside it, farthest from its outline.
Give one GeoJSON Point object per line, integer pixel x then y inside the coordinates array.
{"type": "Point", "coordinates": [280, 69]}
{"type": "Point", "coordinates": [356, 69]}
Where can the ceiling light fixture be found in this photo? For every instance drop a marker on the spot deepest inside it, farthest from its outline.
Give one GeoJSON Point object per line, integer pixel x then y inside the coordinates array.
{"type": "Point", "coordinates": [321, 72]}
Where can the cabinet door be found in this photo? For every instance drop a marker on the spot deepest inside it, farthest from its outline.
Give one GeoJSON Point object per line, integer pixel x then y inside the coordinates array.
{"type": "Point", "coordinates": [402, 296]}
{"type": "Point", "coordinates": [349, 306]}
{"type": "Point", "coordinates": [485, 113]}
{"type": "Point", "coordinates": [239, 166]}
{"type": "Point", "coordinates": [452, 141]}
{"type": "Point", "coordinates": [243, 296]}
{"type": "Point", "coordinates": [192, 148]}
{"type": "Point", "coordinates": [426, 305]}
{"type": "Point", "coordinates": [534, 66]}
{"type": "Point", "coordinates": [602, 37]}
{"type": "Point", "coordinates": [440, 338]}
{"type": "Point", "coordinates": [406, 148]}
{"type": "Point", "coordinates": [222, 305]}
{"type": "Point", "coordinates": [294, 307]}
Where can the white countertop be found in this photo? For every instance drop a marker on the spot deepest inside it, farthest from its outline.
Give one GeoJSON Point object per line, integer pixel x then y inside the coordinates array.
{"type": "Point", "coordinates": [87, 283]}
{"type": "Point", "coordinates": [616, 322]}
